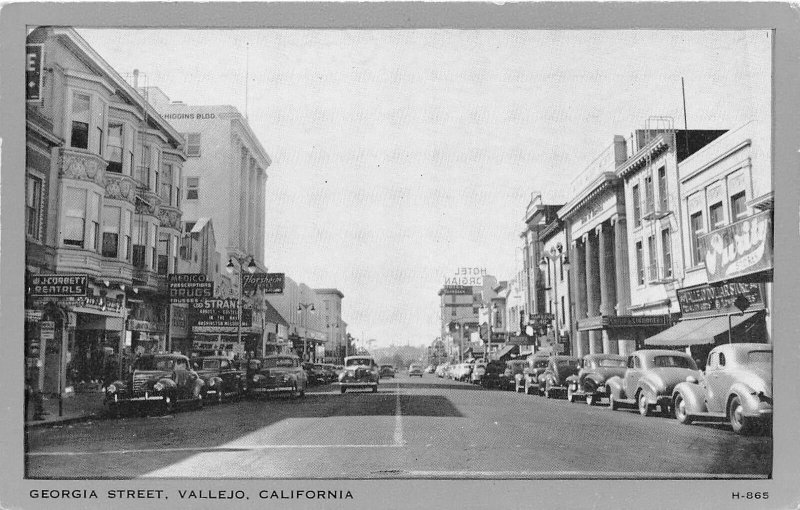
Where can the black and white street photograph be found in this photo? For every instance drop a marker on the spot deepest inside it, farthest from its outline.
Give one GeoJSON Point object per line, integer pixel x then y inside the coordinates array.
{"type": "Point", "coordinates": [371, 254]}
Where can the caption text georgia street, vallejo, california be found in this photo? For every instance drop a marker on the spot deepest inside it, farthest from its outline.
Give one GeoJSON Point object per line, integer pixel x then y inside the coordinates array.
{"type": "Point", "coordinates": [190, 494]}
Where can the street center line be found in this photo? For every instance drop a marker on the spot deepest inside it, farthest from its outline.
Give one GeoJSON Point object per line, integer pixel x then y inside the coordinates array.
{"type": "Point", "coordinates": [398, 418]}
{"type": "Point", "coordinates": [209, 449]}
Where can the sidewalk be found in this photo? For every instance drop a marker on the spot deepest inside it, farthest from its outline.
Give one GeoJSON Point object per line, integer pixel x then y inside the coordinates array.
{"type": "Point", "coordinates": [76, 407]}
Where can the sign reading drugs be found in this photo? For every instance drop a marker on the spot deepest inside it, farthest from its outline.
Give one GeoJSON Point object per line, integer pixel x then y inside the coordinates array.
{"type": "Point", "coordinates": [51, 285]}
{"type": "Point", "coordinates": [220, 313]}
{"type": "Point", "coordinates": [189, 288]}
{"type": "Point", "coordinates": [742, 248]}
{"type": "Point", "coordinates": [269, 283]}
{"type": "Point", "coordinates": [34, 60]}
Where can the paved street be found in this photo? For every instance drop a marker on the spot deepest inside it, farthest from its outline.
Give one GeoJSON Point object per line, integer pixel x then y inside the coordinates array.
{"type": "Point", "coordinates": [412, 428]}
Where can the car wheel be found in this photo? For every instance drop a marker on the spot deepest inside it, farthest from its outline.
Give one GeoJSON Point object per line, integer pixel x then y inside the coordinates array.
{"type": "Point", "coordinates": [680, 410]}
{"type": "Point", "coordinates": [740, 423]}
{"type": "Point", "coordinates": [547, 390]}
{"type": "Point", "coordinates": [342, 389]}
{"type": "Point", "coordinates": [570, 395]}
{"type": "Point", "coordinates": [293, 394]}
{"type": "Point", "coordinates": [591, 399]}
{"type": "Point", "coordinates": [612, 402]}
{"type": "Point", "coordinates": [169, 404]}
{"type": "Point", "coordinates": [644, 406]}
{"type": "Point", "coordinates": [220, 396]}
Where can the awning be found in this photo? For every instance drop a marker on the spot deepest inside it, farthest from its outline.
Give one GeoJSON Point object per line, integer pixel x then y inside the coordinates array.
{"type": "Point", "coordinates": [505, 351]}
{"type": "Point", "coordinates": [697, 331]}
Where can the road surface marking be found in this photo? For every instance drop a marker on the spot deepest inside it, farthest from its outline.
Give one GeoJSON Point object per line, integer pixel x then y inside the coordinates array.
{"type": "Point", "coordinates": [398, 418]}
{"type": "Point", "coordinates": [639, 475]}
{"type": "Point", "coordinates": [210, 449]}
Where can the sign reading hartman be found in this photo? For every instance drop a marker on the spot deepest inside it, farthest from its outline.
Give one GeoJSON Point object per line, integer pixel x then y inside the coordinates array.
{"type": "Point", "coordinates": [466, 276]}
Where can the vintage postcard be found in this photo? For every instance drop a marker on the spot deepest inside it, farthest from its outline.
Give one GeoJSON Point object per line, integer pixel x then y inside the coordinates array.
{"type": "Point", "coordinates": [401, 254]}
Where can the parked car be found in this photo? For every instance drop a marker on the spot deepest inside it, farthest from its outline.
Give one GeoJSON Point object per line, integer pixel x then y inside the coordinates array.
{"type": "Point", "coordinates": [537, 364]}
{"type": "Point", "coordinates": [441, 370]}
{"type": "Point", "coordinates": [492, 377]}
{"type": "Point", "coordinates": [330, 372]}
{"type": "Point", "coordinates": [590, 382]}
{"type": "Point", "coordinates": [387, 371]}
{"type": "Point", "coordinates": [165, 380]}
{"type": "Point", "coordinates": [553, 381]}
{"type": "Point", "coordinates": [650, 377]}
{"type": "Point", "coordinates": [430, 369]}
{"type": "Point", "coordinates": [462, 372]}
{"type": "Point", "coordinates": [315, 372]}
{"type": "Point", "coordinates": [360, 372]}
{"type": "Point", "coordinates": [280, 373]}
{"type": "Point", "coordinates": [478, 371]}
{"type": "Point", "coordinates": [415, 369]}
{"type": "Point", "coordinates": [221, 379]}
{"type": "Point", "coordinates": [737, 387]}
{"type": "Point", "coordinates": [514, 373]}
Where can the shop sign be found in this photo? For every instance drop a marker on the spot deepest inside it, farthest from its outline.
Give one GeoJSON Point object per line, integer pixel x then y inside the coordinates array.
{"type": "Point", "coordinates": [539, 320]}
{"type": "Point", "coordinates": [34, 60]}
{"type": "Point", "coordinates": [457, 290]}
{"type": "Point", "coordinates": [179, 317]}
{"type": "Point", "coordinates": [47, 330]}
{"type": "Point", "coordinates": [521, 340]}
{"type": "Point", "coordinates": [635, 321]}
{"type": "Point", "coordinates": [54, 285]}
{"type": "Point", "coordinates": [33, 315]}
{"type": "Point", "coordinates": [99, 303]}
{"type": "Point", "coordinates": [144, 326]}
{"type": "Point", "coordinates": [269, 283]}
{"type": "Point", "coordinates": [189, 287]}
{"type": "Point", "coordinates": [719, 298]}
{"type": "Point", "coordinates": [220, 313]}
{"type": "Point", "coordinates": [469, 276]}
{"type": "Point", "coordinates": [742, 248]}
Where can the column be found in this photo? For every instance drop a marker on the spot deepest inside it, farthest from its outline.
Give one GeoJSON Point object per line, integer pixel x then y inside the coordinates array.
{"type": "Point", "coordinates": [260, 214]}
{"type": "Point", "coordinates": [592, 291]}
{"type": "Point", "coordinates": [241, 221]}
{"type": "Point", "coordinates": [607, 291]}
{"type": "Point", "coordinates": [251, 206]}
{"type": "Point", "coordinates": [578, 275]}
{"type": "Point", "coordinates": [621, 270]}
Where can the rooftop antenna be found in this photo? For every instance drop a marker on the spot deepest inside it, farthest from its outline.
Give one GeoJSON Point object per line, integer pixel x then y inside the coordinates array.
{"type": "Point", "coordinates": [246, 78]}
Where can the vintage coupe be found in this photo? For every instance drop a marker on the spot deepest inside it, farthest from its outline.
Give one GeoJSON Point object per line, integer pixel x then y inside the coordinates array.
{"type": "Point", "coordinates": [478, 371]}
{"type": "Point", "coordinates": [537, 364]}
{"type": "Point", "coordinates": [387, 371]}
{"type": "Point", "coordinates": [156, 379]}
{"type": "Point", "coordinates": [279, 373]}
{"type": "Point", "coordinates": [737, 387]}
{"type": "Point", "coordinates": [553, 381]}
{"type": "Point", "coordinates": [649, 379]}
{"type": "Point", "coordinates": [590, 382]}
{"type": "Point", "coordinates": [493, 375]}
{"type": "Point", "coordinates": [359, 372]}
{"type": "Point", "coordinates": [221, 379]}
{"type": "Point", "coordinates": [513, 374]}
{"type": "Point", "coordinates": [415, 369]}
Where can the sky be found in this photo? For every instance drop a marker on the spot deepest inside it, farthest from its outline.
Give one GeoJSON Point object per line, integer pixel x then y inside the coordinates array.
{"type": "Point", "coordinates": [400, 156]}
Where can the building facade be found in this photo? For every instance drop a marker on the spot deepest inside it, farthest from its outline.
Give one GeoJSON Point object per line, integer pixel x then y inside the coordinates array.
{"type": "Point", "coordinates": [554, 266]}
{"type": "Point", "coordinates": [304, 313]}
{"type": "Point", "coordinates": [335, 327]}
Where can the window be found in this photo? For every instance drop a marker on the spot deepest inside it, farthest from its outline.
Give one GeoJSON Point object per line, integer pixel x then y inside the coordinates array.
{"type": "Point", "coordinates": [696, 230]}
{"type": "Point", "coordinates": [651, 252]}
{"type": "Point", "coordinates": [192, 188]}
{"type": "Point", "coordinates": [166, 184]}
{"type": "Point", "coordinates": [139, 243]}
{"type": "Point", "coordinates": [453, 311]}
{"type": "Point", "coordinates": [111, 221]}
{"type": "Point", "coordinates": [548, 272]}
{"type": "Point", "coordinates": [563, 317]}
{"type": "Point", "coordinates": [475, 310]}
{"type": "Point", "coordinates": [156, 181]}
{"type": "Point", "coordinates": [94, 222]}
{"type": "Point", "coordinates": [666, 253]}
{"type": "Point", "coordinates": [640, 262]}
{"type": "Point", "coordinates": [131, 167]}
{"type": "Point", "coordinates": [143, 170]}
{"type": "Point", "coordinates": [716, 216]}
{"type": "Point", "coordinates": [722, 359]}
{"type": "Point", "coordinates": [33, 206]}
{"type": "Point", "coordinates": [79, 138]}
{"type": "Point", "coordinates": [127, 225]}
{"type": "Point", "coordinates": [188, 226]}
{"type": "Point", "coordinates": [152, 244]}
{"type": "Point", "coordinates": [648, 194]}
{"type": "Point", "coordinates": [738, 206]}
{"type": "Point", "coordinates": [114, 150]}
{"type": "Point", "coordinates": [163, 254]}
{"type": "Point", "coordinates": [97, 146]}
{"type": "Point", "coordinates": [637, 207]}
{"type": "Point", "coordinates": [74, 216]}
{"type": "Point", "coordinates": [662, 188]}
{"type": "Point", "coordinates": [174, 254]}
{"type": "Point", "coordinates": [193, 144]}
{"type": "Point", "coordinates": [561, 268]}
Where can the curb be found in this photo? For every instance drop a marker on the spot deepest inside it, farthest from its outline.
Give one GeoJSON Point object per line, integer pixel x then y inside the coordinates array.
{"type": "Point", "coordinates": [63, 421]}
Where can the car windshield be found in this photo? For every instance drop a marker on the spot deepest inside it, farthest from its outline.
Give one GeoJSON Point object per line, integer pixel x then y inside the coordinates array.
{"type": "Point", "coordinates": [279, 363]}
{"type": "Point", "coordinates": [674, 362]}
{"type": "Point", "coordinates": [154, 364]}
{"type": "Point", "coordinates": [210, 364]}
{"type": "Point", "coordinates": [567, 362]}
{"type": "Point", "coordinates": [616, 363]}
{"type": "Point", "coordinates": [415, 367]}
{"type": "Point", "coordinates": [387, 366]}
{"type": "Point", "coordinates": [358, 361]}
{"type": "Point", "coordinates": [759, 357]}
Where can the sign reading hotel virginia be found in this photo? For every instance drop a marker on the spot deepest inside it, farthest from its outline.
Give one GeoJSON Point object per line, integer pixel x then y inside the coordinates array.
{"type": "Point", "coordinates": [221, 313]}
{"type": "Point", "coordinates": [270, 283]}
{"type": "Point", "coordinates": [742, 248]}
{"type": "Point", "coordinates": [719, 298]}
{"type": "Point", "coordinates": [466, 276]}
{"type": "Point", "coordinates": [189, 288]}
{"type": "Point", "coordinates": [34, 54]}
{"type": "Point", "coordinates": [53, 285]}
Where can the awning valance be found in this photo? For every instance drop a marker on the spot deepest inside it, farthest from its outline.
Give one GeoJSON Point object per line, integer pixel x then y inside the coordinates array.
{"type": "Point", "coordinates": [697, 331]}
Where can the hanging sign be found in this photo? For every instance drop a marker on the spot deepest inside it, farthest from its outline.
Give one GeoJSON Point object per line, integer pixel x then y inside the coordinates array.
{"type": "Point", "coordinates": [220, 313]}
{"type": "Point", "coordinates": [742, 248]}
{"type": "Point", "coordinates": [47, 330]}
{"type": "Point", "coordinates": [50, 285]}
{"type": "Point", "coordinates": [269, 283]}
{"type": "Point", "coordinates": [34, 61]}
{"type": "Point", "coordinates": [189, 287]}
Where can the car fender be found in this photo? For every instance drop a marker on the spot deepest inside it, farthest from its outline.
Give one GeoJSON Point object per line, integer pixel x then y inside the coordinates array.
{"type": "Point", "coordinates": [168, 383]}
{"type": "Point", "coordinates": [616, 388]}
{"type": "Point", "coordinates": [749, 401]}
{"type": "Point", "coordinates": [596, 380]}
{"type": "Point", "coordinates": [694, 397]}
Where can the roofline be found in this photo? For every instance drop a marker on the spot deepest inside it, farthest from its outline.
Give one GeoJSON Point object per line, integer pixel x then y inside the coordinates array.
{"type": "Point", "coordinates": [329, 291]}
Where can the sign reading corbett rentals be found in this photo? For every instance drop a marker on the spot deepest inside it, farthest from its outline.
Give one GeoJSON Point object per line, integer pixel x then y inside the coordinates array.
{"type": "Point", "coordinates": [270, 283]}
{"type": "Point", "coordinates": [54, 285]}
{"type": "Point", "coordinates": [34, 60]}
{"type": "Point", "coordinates": [706, 299]}
{"type": "Point", "coordinates": [189, 287]}
{"type": "Point", "coordinates": [220, 313]}
{"type": "Point", "coordinates": [742, 248]}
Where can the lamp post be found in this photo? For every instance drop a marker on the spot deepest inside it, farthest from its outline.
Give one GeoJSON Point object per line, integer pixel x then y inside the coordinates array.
{"type": "Point", "coordinates": [308, 307]}
{"type": "Point", "coordinates": [251, 268]}
{"type": "Point", "coordinates": [556, 252]}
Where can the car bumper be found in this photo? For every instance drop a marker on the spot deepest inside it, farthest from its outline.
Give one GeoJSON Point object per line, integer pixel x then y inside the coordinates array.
{"type": "Point", "coordinates": [146, 398]}
{"type": "Point", "coordinates": [353, 384]}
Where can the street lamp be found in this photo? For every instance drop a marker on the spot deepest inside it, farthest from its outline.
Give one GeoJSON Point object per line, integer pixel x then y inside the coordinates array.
{"type": "Point", "coordinates": [251, 268]}
{"type": "Point", "coordinates": [490, 311]}
{"type": "Point", "coordinates": [308, 307]}
{"type": "Point", "coordinates": [556, 252]}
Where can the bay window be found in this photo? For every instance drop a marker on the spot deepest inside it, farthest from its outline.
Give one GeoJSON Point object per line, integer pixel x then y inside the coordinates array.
{"type": "Point", "coordinates": [163, 253]}
{"type": "Point", "coordinates": [111, 224]}
{"type": "Point", "coordinates": [696, 229]}
{"type": "Point", "coordinates": [140, 243]}
{"type": "Point", "coordinates": [79, 137]}
{"type": "Point", "coordinates": [152, 245]}
{"type": "Point", "coordinates": [33, 206]}
{"type": "Point", "coordinates": [115, 148]}
{"type": "Point", "coordinates": [93, 241]}
{"type": "Point", "coordinates": [127, 225]}
{"type": "Point", "coordinates": [166, 185]}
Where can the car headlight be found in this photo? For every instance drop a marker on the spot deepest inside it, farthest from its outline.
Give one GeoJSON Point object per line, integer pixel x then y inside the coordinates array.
{"type": "Point", "coordinates": [111, 388]}
{"type": "Point", "coordinates": [255, 378]}
{"type": "Point", "coordinates": [211, 382]}
{"type": "Point", "coordinates": [158, 386]}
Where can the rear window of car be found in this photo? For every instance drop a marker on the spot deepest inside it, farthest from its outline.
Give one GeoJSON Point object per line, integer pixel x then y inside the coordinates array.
{"type": "Point", "coordinates": [617, 363]}
{"type": "Point", "coordinates": [279, 363]}
{"type": "Point", "coordinates": [674, 362]}
{"type": "Point", "coordinates": [567, 362]}
{"type": "Point", "coordinates": [759, 357]}
{"type": "Point", "coordinates": [387, 366]}
{"type": "Point", "coordinates": [358, 361]}
{"type": "Point", "coordinates": [415, 367]}
{"type": "Point", "coordinates": [154, 364]}
{"type": "Point", "coordinates": [210, 364]}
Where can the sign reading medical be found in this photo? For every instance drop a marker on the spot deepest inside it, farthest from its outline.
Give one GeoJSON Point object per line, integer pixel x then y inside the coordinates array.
{"type": "Point", "coordinates": [220, 313]}
{"type": "Point", "coordinates": [34, 59]}
{"type": "Point", "coordinates": [742, 248]}
{"type": "Point", "coordinates": [466, 276]}
{"type": "Point", "coordinates": [189, 287]}
{"type": "Point", "coordinates": [706, 299]}
{"type": "Point", "coordinates": [51, 285]}
{"type": "Point", "coordinates": [269, 283]}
